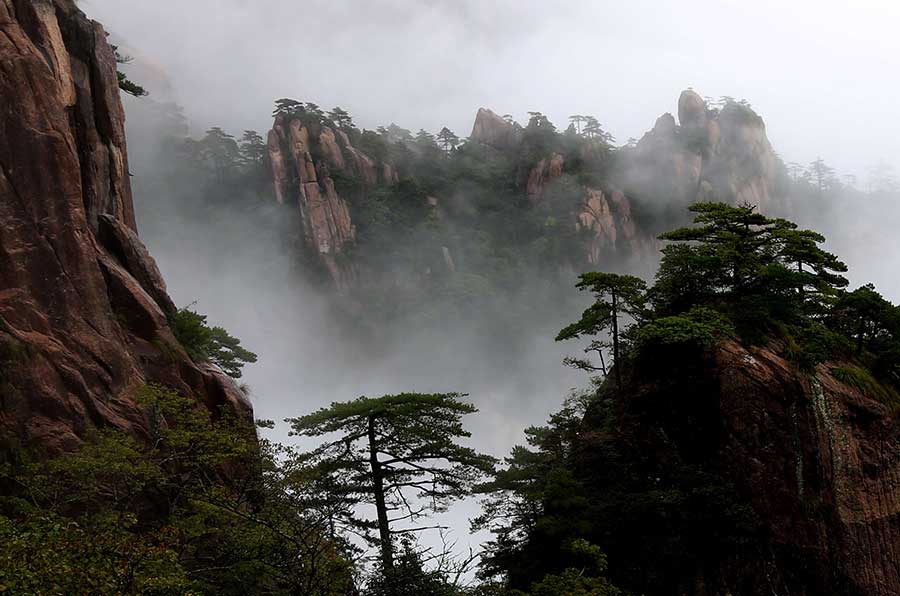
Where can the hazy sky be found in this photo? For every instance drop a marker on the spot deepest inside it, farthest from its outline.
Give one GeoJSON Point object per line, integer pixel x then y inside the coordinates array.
{"type": "Point", "coordinates": [822, 73]}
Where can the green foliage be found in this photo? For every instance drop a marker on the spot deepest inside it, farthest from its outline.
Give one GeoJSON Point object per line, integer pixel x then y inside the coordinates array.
{"type": "Point", "coordinates": [736, 273]}
{"type": "Point", "coordinates": [43, 553]}
{"type": "Point", "coordinates": [700, 327]}
{"type": "Point", "coordinates": [578, 581]}
{"type": "Point", "coordinates": [584, 477]}
{"type": "Point", "coordinates": [203, 342]}
{"type": "Point", "coordinates": [410, 577]}
{"type": "Point", "coordinates": [766, 269]}
{"type": "Point", "coordinates": [616, 295]}
{"type": "Point", "coordinates": [862, 380]}
{"type": "Point", "coordinates": [125, 84]}
{"type": "Point", "coordinates": [202, 507]}
{"type": "Point", "coordinates": [384, 448]}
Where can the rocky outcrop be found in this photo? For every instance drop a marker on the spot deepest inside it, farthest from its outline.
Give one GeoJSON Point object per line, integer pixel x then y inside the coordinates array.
{"type": "Point", "coordinates": [494, 131]}
{"type": "Point", "coordinates": [301, 159]}
{"type": "Point", "coordinates": [795, 476]}
{"type": "Point", "coordinates": [612, 230]}
{"type": "Point", "coordinates": [83, 308]}
{"type": "Point", "coordinates": [544, 172]}
{"type": "Point", "coordinates": [710, 155]}
{"type": "Point", "coordinates": [819, 462]}
{"type": "Point", "coordinates": [324, 215]}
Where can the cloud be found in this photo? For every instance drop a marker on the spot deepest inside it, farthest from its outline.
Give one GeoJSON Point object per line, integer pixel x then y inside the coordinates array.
{"type": "Point", "coordinates": [820, 73]}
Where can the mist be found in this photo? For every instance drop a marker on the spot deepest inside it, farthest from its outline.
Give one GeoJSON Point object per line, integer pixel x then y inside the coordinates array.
{"type": "Point", "coordinates": [820, 72]}
{"type": "Point", "coordinates": [808, 70]}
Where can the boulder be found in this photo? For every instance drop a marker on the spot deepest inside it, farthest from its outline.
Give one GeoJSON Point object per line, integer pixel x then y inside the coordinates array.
{"type": "Point", "coordinates": [492, 130]}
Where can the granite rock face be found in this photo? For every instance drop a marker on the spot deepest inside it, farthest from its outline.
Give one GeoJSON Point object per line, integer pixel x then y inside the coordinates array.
{"type": "Point", "coordinates": [83, 308]}
{"type": "Point", "coordinates": [709, 155]}
{"type": "Point", "coordinates": [492, 130]}
{"type": "Point", "coordinates": [324, 216]}
{"type": "Point", "coordinates": [813, 463]}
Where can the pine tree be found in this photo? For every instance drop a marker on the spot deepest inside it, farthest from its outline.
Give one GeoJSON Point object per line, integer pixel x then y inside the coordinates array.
{"type": "Point", "coordinates": [447, 140]}
{"type": "Point", "coordinates": [616, 296]}
{"type": "Point", "coordinates": [389, 448]}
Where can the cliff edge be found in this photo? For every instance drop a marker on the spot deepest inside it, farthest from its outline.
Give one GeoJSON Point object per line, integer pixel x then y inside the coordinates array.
{"type": "Point", "coordinates": [83, 309]}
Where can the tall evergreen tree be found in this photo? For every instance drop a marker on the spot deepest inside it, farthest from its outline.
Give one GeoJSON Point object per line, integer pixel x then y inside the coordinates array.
{"type": "Point", "coordinates": [386, 449]}
{"type": "Point", "coordinates": [616, 296]}
{"type": "Point", "coordinates": [447, 140]}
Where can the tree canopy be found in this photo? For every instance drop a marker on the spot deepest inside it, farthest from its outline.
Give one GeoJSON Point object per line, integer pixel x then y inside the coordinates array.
{"type": "Point", "coordinates": [389, 448]}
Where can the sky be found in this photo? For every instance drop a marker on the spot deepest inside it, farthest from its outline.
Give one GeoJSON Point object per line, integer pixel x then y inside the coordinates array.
{"type": "Point", "coordinates": [821, 73]}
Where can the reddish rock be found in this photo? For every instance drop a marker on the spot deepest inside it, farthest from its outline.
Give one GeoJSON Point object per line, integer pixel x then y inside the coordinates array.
{"type": "Point", "coordinates": [742, 166]}
{"type": "Point", "coordinates": [662, 166]}
{"type": "Point", "coordinates": [277, 167]}
{"type": "Point", "coordinates": [820, 463]}
{"type": "Point", "coordinates": [816, 461]}
{"type": "Point", "coordinates": [555, 168]}
{"type": "Point", "coordinates": [724, 156]}
{"type": "Point", "coordinates": [692, 110]}
{"type": "Point", "coordinates": [363, 165]}
{"type": "Point", "coordinates": [534, 185]}
{"type": "Point", "coordinates": [330, 148]}
{"type": "Point", "coordinates": [389, 174]}
{"type": "Point", "coordinates": [492, 130]}
{"type": "Point", "coordinates": [544, 172]}
{"type": "Point", "coordinates": [82, 305]}
{"type": "Point", "coordinates": [598, 218]}
{"type": "Point", "coordinates": [324, 214]}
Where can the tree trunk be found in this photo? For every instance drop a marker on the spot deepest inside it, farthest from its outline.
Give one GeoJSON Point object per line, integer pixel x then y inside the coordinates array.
{"type": "Point", "coordinates": [860, 335]}
{"type": "Point", "coordinates": [615, 338]}
{"type": "Point", "coordinates": [384, 529]}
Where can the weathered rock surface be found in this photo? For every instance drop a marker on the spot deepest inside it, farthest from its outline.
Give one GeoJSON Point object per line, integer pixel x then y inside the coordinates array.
{"type": "Point", "coordinates": [815, 460]}
{"type": "Point", "coordinates": [820, 463]}
{"type": "Point", "coordinates": [712, 155]}
{"type": "Point", "coordinates": [324, 215]}
{"type": "Point", "coordinates": [83, 308]}
{"type": "Point", "coordinates": [300, 165]}
{"type": "Point", "coordinates": [492, 130]}
{"type": "Point", "coordinates": [544, 172]}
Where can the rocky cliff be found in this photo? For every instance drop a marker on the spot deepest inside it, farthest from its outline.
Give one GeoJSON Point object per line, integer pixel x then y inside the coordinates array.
{"type": "Point", "coordinates": [301, 157]}
{"type": "Point", "coordinates": [83, 308]}
{"type": "Point", "coordinates": [625, 195]}
{"type": "Point", "coordinates": [773, 480]}
{"type": "Point", "coordinates": [709, 155]}
{"type": "Point", "coordinates": [492, 130]}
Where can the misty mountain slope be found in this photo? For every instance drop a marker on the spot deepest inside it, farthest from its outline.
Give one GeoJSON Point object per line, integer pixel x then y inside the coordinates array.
{"type": "Point", "coordinates": [399, 259]}
{"type": "Point", "coordinates": [566, 199]}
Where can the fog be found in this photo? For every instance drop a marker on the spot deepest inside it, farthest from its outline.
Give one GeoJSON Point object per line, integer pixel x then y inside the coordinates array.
{"type": "Point", "coordinates": [820, 75]}
{"type": "Point", "coordinates": [821, 72]}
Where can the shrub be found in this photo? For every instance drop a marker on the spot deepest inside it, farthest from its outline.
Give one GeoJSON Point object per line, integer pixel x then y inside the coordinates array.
{"type": "Point", "coordinates": [862, 380]}
{"type": "Point", "coordinates": [700, 327]}
{"type": "Point", "coordinates": [215, 344]}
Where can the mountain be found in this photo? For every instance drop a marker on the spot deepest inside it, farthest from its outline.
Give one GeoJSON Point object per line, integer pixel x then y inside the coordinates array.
{"type": "Point", "coordinates": [84, 312]}
{"type": "Point", "coordinates": [611, 202]}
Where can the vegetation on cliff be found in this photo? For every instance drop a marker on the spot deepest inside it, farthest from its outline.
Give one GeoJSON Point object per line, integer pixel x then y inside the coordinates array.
{"type": "Point", "coordinates": [201, 505]}
{"type": "Point", "coordinates": [636, 466]}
